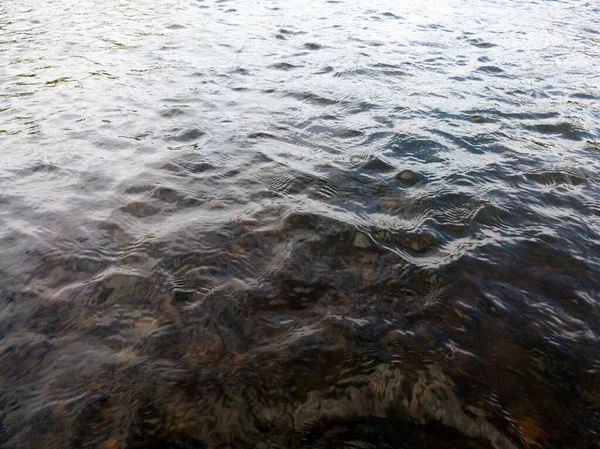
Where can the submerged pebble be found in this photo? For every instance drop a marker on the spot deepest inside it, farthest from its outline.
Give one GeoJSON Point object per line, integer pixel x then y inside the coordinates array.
{"type": "Point", "coordinates": [407, 176]}
{"type": "Point", "coordinates": [361, 240]}
{"type": "Point", "coordinates": [335, 224]}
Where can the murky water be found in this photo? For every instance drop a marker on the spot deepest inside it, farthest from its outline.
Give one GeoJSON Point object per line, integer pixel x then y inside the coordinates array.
{"type": "Point", "coordinates": [286, 224]}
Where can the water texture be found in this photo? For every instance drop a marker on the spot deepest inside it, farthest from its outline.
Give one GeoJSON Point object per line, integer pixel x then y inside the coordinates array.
{"type": "Point", "coordinates": [293, 224]}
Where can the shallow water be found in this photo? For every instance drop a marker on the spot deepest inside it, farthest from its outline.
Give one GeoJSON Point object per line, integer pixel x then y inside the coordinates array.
{"type": "Point", "coordinates": [299, 224]}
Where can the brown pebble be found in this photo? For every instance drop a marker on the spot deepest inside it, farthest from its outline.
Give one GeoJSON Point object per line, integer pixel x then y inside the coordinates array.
{"type": "Point", "coordinates": [238, 359]}
{"type": "Point", "coordinates": [419, 242]}
{"type": "Point", "coordinates": [140, 209]}
{"type": "Point", "coordinates": [407, 175]}
{"type": "Point", "coordinates": [126, 356]}
{"type": "Point", "coordinates": [237, 249]}
{"type": "Point", "coordinates": [95, 385]}
{"type": "Point", "coordinates": [146, 323]}
{"type": "Point", "coordinates": [476, 411]}
{"type": "Point", "coordinates": [111, 443]}
{"type": "Point", "coordinates": [214, 204]}
{"type": "Point", "coordinates": [166, 194]}
{"type": "Point", "coordinates": [532, 432]}
{"type": "Point", "coordinates": [136, 206]}
{"type": "Point", "coordinates": [342, 297]}
{"type": "Point", "coordinates": [89, 322]}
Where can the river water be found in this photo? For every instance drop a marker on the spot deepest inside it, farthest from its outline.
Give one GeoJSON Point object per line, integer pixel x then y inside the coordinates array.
{"type": "Point", "coordinates": [293, 224]}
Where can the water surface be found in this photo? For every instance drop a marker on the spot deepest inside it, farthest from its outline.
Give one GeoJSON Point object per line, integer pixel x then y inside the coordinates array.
{"type": "Point", "coordinates": [294, 224]}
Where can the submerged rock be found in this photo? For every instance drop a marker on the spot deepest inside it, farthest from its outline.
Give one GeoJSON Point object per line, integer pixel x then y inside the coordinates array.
{"type": "Point", "coordinates": [361, 240]}
{"type": "Point", "coordinates": [407, 176]}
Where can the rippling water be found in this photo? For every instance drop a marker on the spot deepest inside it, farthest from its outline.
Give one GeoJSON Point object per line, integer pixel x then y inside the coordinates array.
{"type": "Point", "coordinates": [286, 224]}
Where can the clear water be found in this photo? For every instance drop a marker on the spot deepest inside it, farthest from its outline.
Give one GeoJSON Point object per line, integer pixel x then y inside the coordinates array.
{"type": "Point", "coordinates": [269, 224]}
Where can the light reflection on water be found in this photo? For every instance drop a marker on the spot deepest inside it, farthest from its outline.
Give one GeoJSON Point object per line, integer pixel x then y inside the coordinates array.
{"type": "Point", "coordinates": [299, 224]}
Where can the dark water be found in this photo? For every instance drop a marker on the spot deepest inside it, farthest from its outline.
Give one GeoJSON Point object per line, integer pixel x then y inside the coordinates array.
{"type": "Point", "coordinates": [286, 224]}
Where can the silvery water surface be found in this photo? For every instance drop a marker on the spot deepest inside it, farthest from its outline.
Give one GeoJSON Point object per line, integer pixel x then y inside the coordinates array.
{"type": "Point", "coordinates": [294, 224]}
